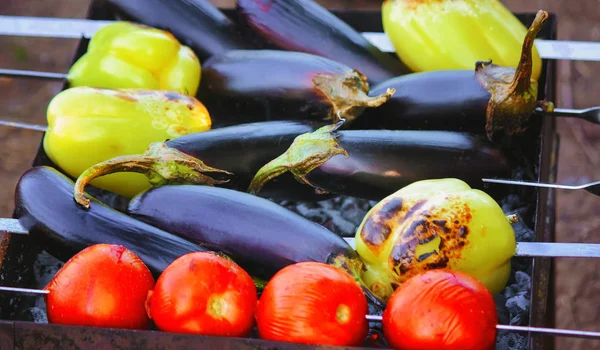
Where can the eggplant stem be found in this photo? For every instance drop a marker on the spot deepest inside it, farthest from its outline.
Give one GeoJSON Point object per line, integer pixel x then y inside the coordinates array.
{"type": "Point", "coordinates": [306, 153]}
{"type": "Point", "coordinates": [513, 91]}
{"type": "Point", "coordinates": [348, 94]}
{"type": "Point", "coordinates": [160, 164]}
{"type": "Point", "coordinates": [522, 78]}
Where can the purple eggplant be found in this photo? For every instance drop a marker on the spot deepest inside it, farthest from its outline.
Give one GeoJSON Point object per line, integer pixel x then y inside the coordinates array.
{"type": "Point", "coordinates": [44, 206]}
{"type": "Point", "coordinates": [262, 236]}
{"type": "Point", "coordinates": [259, 85]}
{"type": "Point", "coordinates": [440, 100]}
{"type": "Point", "coordinates": [306, 26]}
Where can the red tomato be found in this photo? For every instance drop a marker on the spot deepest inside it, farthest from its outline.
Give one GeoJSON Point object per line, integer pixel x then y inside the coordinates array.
{"type": "Point", "coordinates": [441, 309]}
{"type": "Point", "coordinates": [313, 303]}
{"type": "Point", "coordinates": [103, 285]}
{"type": "Point", "coordinates": [203, 293]}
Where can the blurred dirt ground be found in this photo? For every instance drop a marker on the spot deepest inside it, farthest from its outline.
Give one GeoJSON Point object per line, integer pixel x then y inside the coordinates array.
{"type": "Point", "coordinates": [577, 281]}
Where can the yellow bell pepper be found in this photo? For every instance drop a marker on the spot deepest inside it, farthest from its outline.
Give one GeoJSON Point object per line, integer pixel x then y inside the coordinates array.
{"type": "Point", "coordinates": [128, 55]}
{"type": "Point", "coordinates": [433, 35]}
{"type": "Point", "coordinates": [431, 224]}
{"type": "Point", "coordinates": [88, 125]}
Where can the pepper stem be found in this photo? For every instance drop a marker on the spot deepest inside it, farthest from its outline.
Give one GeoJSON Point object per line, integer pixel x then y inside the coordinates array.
{"type": "Point", "coordinates": [514, 93]}
{"type": "Point", "coordinates": [306, 153]}
{"type": "Point", "coordinates": [348, 94]}
{"type": "Point", "coordinates": [161, 165]}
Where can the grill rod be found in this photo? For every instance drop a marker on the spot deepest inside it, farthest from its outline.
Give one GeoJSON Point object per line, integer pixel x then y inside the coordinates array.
{"type": "Point", "coordinates": [377, 318]}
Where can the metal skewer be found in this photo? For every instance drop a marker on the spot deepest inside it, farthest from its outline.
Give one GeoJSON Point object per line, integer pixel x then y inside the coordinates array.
{"type": "Point", "coordinates": [523, 249]}
{"type": "Point", "coordinates": [592, 114]}
{"type": "Point", "coordinates": [76, 28]}
{"type": "Point", "coordinates": [26, 126]}
{"type": "Point", "coordinates": [377, 318]}
{"type": "Point", "coordinates": [591, 187]}
{"type": "Point", "coordinates": [504, 327]}
{"type": "Point", "coordinates": [17, 73]}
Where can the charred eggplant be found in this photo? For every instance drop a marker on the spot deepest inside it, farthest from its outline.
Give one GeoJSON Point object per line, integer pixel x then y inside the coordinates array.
{"type": "Point", "coordinates": [260, 85]}
{"type": "Point", "coordinates": [44, 205]}
{"type": "Point", "coordinates": [196, 23]}
{"type": "Point", "coordinates": [306, 26]}
{"type": "Point", "coordinates": [261, 236]}
{"type": "Point", "coordinates": [491, 99]}
{"type": "Point", "coordinates": [379, 161]}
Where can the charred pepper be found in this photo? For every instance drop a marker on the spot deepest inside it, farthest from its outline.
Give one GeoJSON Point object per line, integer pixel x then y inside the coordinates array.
{"type": "Point", "coordinates": [454, 34]}
{"type": "Point", "coordinates": [430, 224]}
{"type": "Point", "coordinates": [130, 55]}
{"type": "Point", "coordinates": [88, 125]}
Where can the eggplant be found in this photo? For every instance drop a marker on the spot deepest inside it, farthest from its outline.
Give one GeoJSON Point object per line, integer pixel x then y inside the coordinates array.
{"type": "Point", "coordinates": [306, 26]}
{"type": "Point", "coordinates": [44, 205]}
{"type": "Point", "coordinates": [261, 236]}
{"type": "Point", "coordinates": [373, 164]}
{"type": "Point", "coordinates": [243, 86]}
{"type": "Point", "coordinates": [489, 99]}
{"type": "Point", "coordinates": [451, 100]}
{"type": "Point", "coordinates": [379, 163]}
{"type": "Point", "coordinates": [195, 23]}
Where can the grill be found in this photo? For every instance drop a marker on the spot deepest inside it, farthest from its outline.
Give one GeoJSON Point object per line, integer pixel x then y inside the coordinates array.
{"type": "Point", "coordinates": [526, 301]}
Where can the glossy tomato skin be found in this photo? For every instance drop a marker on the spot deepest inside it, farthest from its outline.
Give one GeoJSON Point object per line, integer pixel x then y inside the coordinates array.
{"type": "Point", "coordinates": [313, 303]}
{"type": "Point", "coordinates": [441, 309]}
{"type": "Point", "coordinates": [104, 285]}
{"type": "Point", "coordinates": [203, 293]}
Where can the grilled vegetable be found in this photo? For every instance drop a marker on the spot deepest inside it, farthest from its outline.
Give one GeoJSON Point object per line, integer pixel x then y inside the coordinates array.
{"type": "Point", "coordinates": [128, 55]}
{"type": "Point", "coordinates": [261, 236]}
{"type": "Point", "coordinates": [196, 23]}
{"type": "Point", "coordinates": [313, 303]}
{"type": "Point", "coordinates": [375, 163]}
{"type": "Point", "coordinates": [441, 310]}
{"type": "Point", "coordinates": [203, 293]}
{"type": "Point", "coordinates": [90, 125]}
{"type": "Point", "coordinates": [432, 224]}
{"type": "Point", "coordinates": [453, 34]}
{"type": "Point", "coordinates": [258, 85]}
{"type": "Point", "coordinates": [104, 285]}
{"type": "Point", "coordinates": [44, 206]}
{"type": "Point", "coordinates": [306, 26]}
{"type": "Point", "coordinates": [380, 161]}
{"type": "Point", "coordinates": [491, 99]}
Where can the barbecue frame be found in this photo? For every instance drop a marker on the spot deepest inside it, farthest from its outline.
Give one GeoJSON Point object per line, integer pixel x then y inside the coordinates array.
{"type": "Point", "coordinates": [16, 254]}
